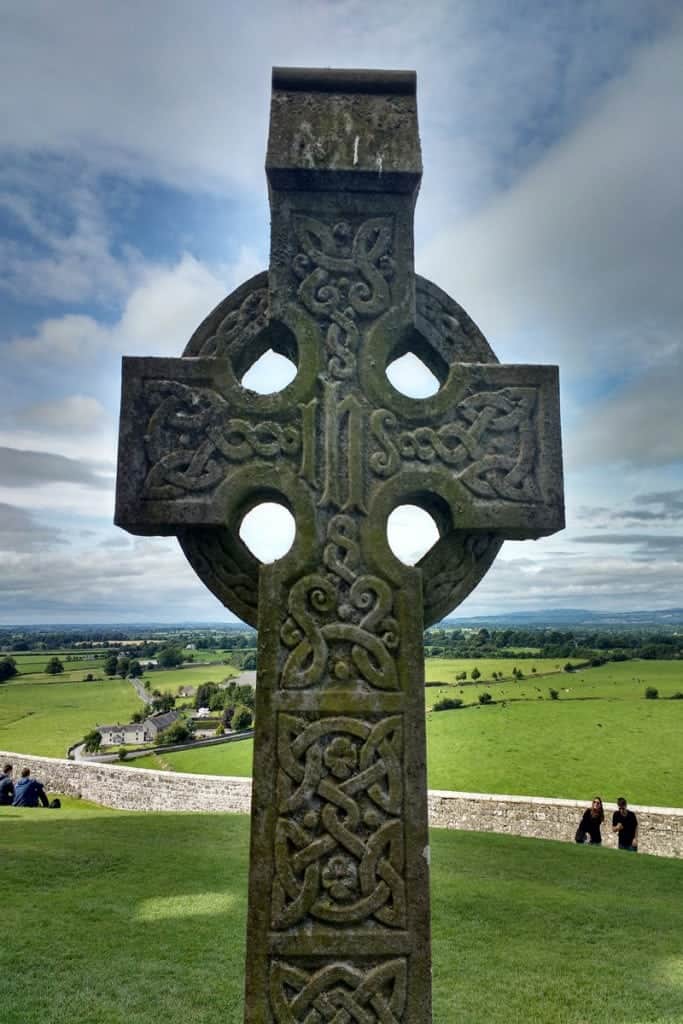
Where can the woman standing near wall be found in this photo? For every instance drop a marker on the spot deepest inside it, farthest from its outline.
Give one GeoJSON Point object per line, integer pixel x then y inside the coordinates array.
{"type": "Point", "coordinates": [589, 829]}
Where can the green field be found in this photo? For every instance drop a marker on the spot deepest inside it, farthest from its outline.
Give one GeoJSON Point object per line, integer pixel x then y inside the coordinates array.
{"type": "Point", "coordinates": [48, 717]}
{"type": "Point", "coordinates": [45, 714]}
{"type": "Point", "coordinates": [601, 736]}
{"type": "Point", "coordinates": [172, 679]}
{"type": "Point", "coordinates": [31, 662]}
{"type": "Point", "coordinates": [224, 759]}
{"type": "Point", "coordinates": [100, 930]}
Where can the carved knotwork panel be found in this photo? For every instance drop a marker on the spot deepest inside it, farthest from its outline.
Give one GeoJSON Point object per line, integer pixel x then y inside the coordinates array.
{"type": "Point", "coordinates": [339, 844]}
{"type": "Point", "coordinates": [339, 992]}
{"type": "Point", "coordinates": [192, 440]}
{"type": "Point", "coordinates": [340, 626]}
{"type": "Point", "coordinates": [490, 444]}
{"type": "Point", "coordinates": [345, 270]}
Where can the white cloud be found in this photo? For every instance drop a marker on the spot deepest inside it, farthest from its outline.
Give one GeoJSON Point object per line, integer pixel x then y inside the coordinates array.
{"type": "Point", "coordinates": [73, 413]}
{"type": "Point", "coordinates": [579, 261]}
{"type": "Point", "coordinates": [641, 425]}
{"type": "Point", "coordinates": [68, 259]}
{"type": "Point", "coordinates": [149, 580]}
{"type": "Point", "coordinates": [159, 315]}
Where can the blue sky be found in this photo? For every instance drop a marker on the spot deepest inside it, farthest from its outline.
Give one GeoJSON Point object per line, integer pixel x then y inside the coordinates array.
{"type": "Point", "coordinates": [133, 198]}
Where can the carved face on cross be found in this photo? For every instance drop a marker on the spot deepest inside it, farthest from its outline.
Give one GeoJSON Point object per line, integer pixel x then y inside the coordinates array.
{"type": "Point", "coordinates": [339, 896]}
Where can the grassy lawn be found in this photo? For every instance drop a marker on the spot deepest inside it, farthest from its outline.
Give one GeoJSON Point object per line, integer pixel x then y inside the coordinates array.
{"type": "Point", "coordinates": [523, 930]}
{"type": "Point", "coordinates": [225, 759]}
{"type": "Point", "coordinates": [172, 679]}
{"type": "Point", "coordinates": [561, 748]}
{"type": "Point", "coordinates": [42, 718]}
{"type": "Point", "coordinates": [446, 669]}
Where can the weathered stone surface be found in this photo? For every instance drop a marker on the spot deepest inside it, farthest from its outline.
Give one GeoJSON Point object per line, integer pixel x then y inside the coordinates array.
{"type": "Point", "coordinates": [339, 888]}
{"type": "Point", "coordinates": [660, 829]}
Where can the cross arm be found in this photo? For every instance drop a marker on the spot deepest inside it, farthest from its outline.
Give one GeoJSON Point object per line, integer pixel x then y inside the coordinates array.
{"type": "Point", "coordinates": [488, 443]}
{"type": "Point", "coordinates": [188, 434]}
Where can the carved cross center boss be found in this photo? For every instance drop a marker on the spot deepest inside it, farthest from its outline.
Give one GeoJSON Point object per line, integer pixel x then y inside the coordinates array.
{"type": "Point", "coordinates": [338, 894]}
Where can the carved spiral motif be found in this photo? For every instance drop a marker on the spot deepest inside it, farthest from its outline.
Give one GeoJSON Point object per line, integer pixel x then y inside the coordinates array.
{"type": "Point", "coordinates": [345, 610]}
{"type": "Point", "coordinates": [344, 275]}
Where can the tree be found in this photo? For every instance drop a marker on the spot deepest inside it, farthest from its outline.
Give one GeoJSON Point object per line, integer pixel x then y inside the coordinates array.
{"type": "Point", "coordinates": [135, 670]}
{"type": "Point", "coordinates": [8, 669]}
{"type": "Point", "coordinates": [54, 666]}
{"type": "Point", "coordinates": [178, 732]}
{"type": "Point", "coordinates": [92, 741]}
{"type": "Point", "coordinates": [554, 694]}
{"type": "Point", "coordinates": [250, 663]}
{"type": "Point", "coordinates": [205, 691]}
{"type": "Point", "coordinates": [110, 664]}
{"type": "Point", "coordinates": [475, 673]}
{"type": "Point", "coordinates": [164, 702]}
{"type": "Point", "coordinates": [485, 698]}
{"type": "Point", "coordinates": [170, 657]}
{"type": "Point", "coordinates": [651, 693]}
{"type": "Point", "coordinates": [241, 718]}
{"type": "Point", "coordinates": [122, 666]}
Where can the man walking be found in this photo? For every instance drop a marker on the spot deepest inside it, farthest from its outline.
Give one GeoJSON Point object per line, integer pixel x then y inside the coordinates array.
{"type": "Point", "coordinates": [625, 824]}
{"type": "Point", "coordinates": [29, 792]}
{"type": "Point", "coordinates": [6, 786]}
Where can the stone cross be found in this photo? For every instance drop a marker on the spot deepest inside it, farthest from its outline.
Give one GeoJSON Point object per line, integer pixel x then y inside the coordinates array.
{"type": "Point", "coordinates": [338, 894]}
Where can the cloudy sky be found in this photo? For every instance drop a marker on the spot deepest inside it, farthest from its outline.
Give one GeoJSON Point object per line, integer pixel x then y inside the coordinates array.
{"type": "Point", "coordinates": [132, 199]}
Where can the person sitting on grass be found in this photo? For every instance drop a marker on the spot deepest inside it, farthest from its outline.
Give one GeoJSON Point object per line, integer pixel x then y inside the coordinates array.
{"type": "Point", "coordinates": [625, 824]}
{"type": "Point", "coordinates": [6, 786]}
{"type": "Point", "coordinates": [29, 792]}
{"type": "Point", "coordinates": [589, 829]}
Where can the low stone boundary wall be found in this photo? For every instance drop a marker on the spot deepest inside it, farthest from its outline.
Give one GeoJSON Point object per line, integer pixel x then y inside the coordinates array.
{"type": "Point", "coordinates": [136, 789]}
{"type": "Point", "coordinates": [139, 789]}
{"type": "Point", "coordinates": [660, 829]}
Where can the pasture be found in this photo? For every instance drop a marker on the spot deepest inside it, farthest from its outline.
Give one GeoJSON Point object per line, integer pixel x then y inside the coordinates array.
{"type": "Point", "coordinates": [172, 679]}
{"type": "Point", "coordinates": [48, 716]}
{"type": "Point", "coordinates": [558, 932]}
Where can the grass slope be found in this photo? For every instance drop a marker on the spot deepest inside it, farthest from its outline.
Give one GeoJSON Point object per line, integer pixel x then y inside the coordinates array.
{"type": "Point", "coordinates": [102, 932]}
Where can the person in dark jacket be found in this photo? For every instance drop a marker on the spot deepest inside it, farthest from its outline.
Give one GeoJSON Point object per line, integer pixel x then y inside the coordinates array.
{"type": "Point", "coordinates": [6, 786]}
{"type": "Point", "coordinates": [29, 792]}
{"type": "Point", "coordinates": [625, 824]}
{"type": "Point", "coordinates": [589, 829]}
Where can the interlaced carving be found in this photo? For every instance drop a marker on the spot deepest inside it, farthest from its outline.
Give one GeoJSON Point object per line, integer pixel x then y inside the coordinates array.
{"type": "Point", "coordinates": [344, 618]}
{"type": "Point", "coordinates": [442, 587]}
{"type": "Point", "coordinates": [490, 446]}
{"type": "Point", "coordinates": [339, 993]}
{"type": "Point", "coordinates": [240, 325]}
{"type": "Point", "coordinates": [344, 276]}
{"type": "Point", "coordinates": [191, 436]}
{"type": "Point", "coordinates": [339, 835]}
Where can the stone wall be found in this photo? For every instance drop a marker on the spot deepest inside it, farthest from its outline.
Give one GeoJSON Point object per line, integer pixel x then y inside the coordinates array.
{"type": "Point", "coordinates": [660, 829]}
{"type": "Point", "coordinates": [137, 789]}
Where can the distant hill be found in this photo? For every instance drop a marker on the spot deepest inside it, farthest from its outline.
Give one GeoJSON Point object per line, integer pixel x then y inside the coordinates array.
{"type": "Point", "coordinates": [576, 617]}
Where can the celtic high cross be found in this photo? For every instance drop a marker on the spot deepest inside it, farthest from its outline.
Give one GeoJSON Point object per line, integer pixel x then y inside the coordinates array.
{"type": "Point", "coordinates": [338, 893]}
